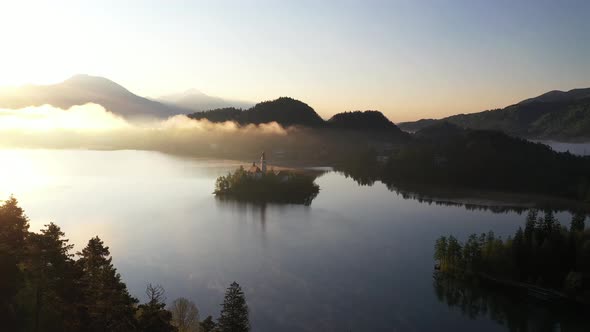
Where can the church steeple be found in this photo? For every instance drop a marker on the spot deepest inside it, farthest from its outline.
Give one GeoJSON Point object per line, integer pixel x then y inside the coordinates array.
{"type": "Point", "coordinates": [263, 163]}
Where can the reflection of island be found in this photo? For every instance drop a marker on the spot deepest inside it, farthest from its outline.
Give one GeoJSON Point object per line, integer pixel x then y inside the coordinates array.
{"type": "Point", "coordinates": [517, 313]}
{"type": "Point", "coordinates": [258, 184]}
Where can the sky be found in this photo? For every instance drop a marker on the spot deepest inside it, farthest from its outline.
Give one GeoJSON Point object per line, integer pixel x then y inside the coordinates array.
{"type": "Point", "coordinates": [408, 59]}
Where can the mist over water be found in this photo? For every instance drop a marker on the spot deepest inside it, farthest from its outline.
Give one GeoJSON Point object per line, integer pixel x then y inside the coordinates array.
{"type": "Point", "coordinates": [92, 126]}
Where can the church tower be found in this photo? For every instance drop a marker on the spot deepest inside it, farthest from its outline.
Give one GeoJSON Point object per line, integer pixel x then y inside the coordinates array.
{"type": "Point", "coordinates": [263, 163]}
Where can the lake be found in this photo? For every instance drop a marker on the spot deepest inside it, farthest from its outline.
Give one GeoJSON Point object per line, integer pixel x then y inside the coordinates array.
{"type": "Point", "coordinates": [359, 258]}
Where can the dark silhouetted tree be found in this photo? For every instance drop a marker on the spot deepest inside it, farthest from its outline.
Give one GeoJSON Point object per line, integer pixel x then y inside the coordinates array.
{"type": "Point", "coordinates": [14, 229]}
{"type": "Point", "coordinates": [578, 222]}
{"type": "Point", "coordinates": [152, 316]}
{"type": "Point", "coordinates": [106, 301]}
{"type": "Point", "coordinates": [234, 311]}
{"type": "Point", "coordinates": [208, 324]}
{"type": "Point", "coordinates": [51, 274]}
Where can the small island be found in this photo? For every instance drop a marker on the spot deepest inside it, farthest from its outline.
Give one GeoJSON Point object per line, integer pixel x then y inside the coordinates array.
{"type": "Point", "coordinates": [258, 184]}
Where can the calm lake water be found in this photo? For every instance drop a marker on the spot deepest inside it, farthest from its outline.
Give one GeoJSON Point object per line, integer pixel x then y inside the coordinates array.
{"type": "Point", "coordinates": [358, 259]}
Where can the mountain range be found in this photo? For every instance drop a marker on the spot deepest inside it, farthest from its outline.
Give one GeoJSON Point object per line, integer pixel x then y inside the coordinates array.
{"type": "Point", "coordinates": [555, 115]}
{"type": "Point", "coordinates": [82, 89]}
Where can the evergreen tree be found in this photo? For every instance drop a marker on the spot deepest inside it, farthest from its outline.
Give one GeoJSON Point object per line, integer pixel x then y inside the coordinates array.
{"type": "Point", "coordinates": [14, 230]}
{"type": "Point", "coordinates": [529, 228]}
{"type": "Point", "coordinates": [440, 251]}
{"type": "Point", "coordinates": [106, 301]}
{"type": "Point", "coordinates": [578, 222]}
{"type": "Point", "coordinates": [50, 275]}
{"type": "Point", "coordinates": [152, 316]}
{"type": "Point", "coordinates": [208, 324]}
{"type": "Point", "coordinates": [234, 312]}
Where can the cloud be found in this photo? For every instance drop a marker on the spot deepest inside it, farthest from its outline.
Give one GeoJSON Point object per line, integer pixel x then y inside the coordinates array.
{"type": "Point", "coordinates": [45, 118]}
{"type": "Point", "coordinates": [91, 126]}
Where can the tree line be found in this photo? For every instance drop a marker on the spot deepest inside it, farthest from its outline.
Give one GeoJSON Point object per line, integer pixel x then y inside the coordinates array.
{"type": "Point", "coordinates": [44, 288]}
{"type": "Point", "coordinates": [544, 253]}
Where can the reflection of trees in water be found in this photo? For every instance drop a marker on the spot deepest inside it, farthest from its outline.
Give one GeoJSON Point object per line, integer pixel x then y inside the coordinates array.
{"type": "Point", "coordinates": [517, 313]}
{"type": "Point", "coordinates": [437, 195]}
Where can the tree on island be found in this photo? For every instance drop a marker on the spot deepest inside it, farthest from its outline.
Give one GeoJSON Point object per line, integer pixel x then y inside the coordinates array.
{"type": "Point", "coordinates": [234, 312]}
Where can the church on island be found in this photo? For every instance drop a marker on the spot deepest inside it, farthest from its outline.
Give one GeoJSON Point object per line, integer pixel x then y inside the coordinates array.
{"type": "Point", "coordinates": [257, 171]}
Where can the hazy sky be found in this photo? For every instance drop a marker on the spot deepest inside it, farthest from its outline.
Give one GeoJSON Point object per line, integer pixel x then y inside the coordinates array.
{"type": "Point", "coordinates": [409, 59]}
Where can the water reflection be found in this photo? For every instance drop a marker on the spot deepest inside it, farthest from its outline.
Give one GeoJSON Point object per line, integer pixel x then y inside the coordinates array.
{"type": "Point", "coordinates": [516, 312]}
{"type": "Point", "coordinates": [496, 202]}
{"type": "Point", "coordinates": [255, 210]}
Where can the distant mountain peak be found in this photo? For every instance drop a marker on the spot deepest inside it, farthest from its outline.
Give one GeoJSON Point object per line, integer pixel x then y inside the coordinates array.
{"type": "Point", "coordinates": [82, 89]}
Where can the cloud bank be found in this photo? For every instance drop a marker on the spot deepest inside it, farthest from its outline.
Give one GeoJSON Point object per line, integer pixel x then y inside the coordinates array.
{"type": "Point", "coordinates": [91, 126]}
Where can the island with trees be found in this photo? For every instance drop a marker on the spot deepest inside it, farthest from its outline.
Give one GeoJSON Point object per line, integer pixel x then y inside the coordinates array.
{"type": "Point", "coordinates": [258, 184]}
{"type": "Point", "coordinates": [545, 259]}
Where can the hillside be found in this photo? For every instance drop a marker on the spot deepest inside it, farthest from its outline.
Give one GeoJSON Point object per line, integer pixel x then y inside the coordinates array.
{"type": "Point", "coordinates": [290, 112]}
{"type": "Point", "coordinates": [359, 120]}
{"type": "Point", "coordinates": [285, 111]}
{"type": "Point", "coordinates": [82, 89]}
{"type": "Point", "coordinates": [446, 154]}
{"type": "Point", "coordinates": [554, 115]}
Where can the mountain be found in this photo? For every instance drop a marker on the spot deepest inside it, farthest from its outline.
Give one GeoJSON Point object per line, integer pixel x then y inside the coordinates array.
{"type": "Point", "coordinates": [554, 115]}
{"type": "Point", "coordinates": [285, 111]}
{"type": "Point", "coordinates": [197, 101]}
{"type": "Point", "coordinates": [82, 89]}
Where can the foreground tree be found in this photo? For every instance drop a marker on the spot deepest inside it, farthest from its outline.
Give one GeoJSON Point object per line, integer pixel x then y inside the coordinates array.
{"type": "Point", "coordinates": [152, 317]}
{"type": "Point", "coordinates": [51, 286]}
{"type": "Point", "coordinates": [14, 230]}
{"type": "Point", "coordinates": [106, 301]}
{"type": "Point", "coordinates": [208, 324]}
{"type": "Point", "coordinates": [234, 311]}
{"type": "Point", "coordinates": [185, 315]}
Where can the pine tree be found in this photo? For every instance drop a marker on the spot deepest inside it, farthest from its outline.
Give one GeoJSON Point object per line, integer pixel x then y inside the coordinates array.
{"type": "Point", "coordinates": [234, 312]}
{"type": "Point", "coordinates": [208, 325]}
{"type": "Point", "coordinates": [107, 302]}
{"type": "Point", "coordinates": [578, 222]}
{"type": "Point", "coordinates": [152, 316]}
{"type": "Point", "coordinates": [50, 274]}
{"type": "Point", "coordinates": [14, 230]}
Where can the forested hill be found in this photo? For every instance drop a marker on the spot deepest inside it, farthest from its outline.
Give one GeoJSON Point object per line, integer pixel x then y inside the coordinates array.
{"type": "Point", "coordinates": [447, 154]}
{"type": "Point", "coordinates": [285, 111]}
{"type": "Point", "coordinates": [554, 115]}
{"type": "Point", "coordinates": [291, 112]}
{"type": "Point", "coordinates": [359, 120]}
